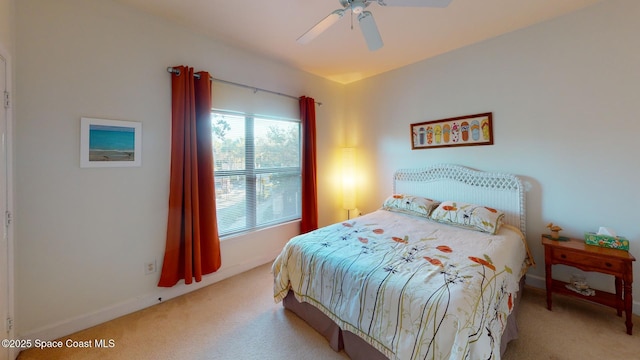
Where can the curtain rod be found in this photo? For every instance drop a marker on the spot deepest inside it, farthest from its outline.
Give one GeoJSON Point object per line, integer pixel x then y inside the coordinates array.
{"type": "Point", "coordinates": [255, 89]}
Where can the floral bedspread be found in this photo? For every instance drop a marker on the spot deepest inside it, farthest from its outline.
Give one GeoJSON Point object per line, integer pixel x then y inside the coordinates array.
{"type": "Point", "coordinates": [410, 287]}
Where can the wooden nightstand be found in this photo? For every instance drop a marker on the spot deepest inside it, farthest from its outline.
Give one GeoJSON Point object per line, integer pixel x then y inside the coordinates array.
{"type": "Point", "coordinates": [576, 253]}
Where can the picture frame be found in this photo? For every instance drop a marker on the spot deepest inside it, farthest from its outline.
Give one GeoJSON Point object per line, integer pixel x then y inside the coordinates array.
{"type": "Point", "coordinates": [469, 130]}
{"type": "Point", "coordinates": [110, 143]}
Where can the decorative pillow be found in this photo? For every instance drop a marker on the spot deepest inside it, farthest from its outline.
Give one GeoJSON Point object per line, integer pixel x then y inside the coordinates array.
{"type": "Point", "coordinates": [470, 216]}
{"type": "Point", "coordinates": [409, 204]}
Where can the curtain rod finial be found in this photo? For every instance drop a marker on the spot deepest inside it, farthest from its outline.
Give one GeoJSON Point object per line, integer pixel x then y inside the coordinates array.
{"type": "Point", "coordinates": [173, 70]}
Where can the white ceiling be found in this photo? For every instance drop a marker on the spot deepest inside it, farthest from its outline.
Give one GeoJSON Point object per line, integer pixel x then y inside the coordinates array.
{"type": "Point", "coordinates": [270, 28]}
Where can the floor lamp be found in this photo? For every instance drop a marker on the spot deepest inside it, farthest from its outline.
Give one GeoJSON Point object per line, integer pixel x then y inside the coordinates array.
{"type": "Point", "coordinates": [348, 180]}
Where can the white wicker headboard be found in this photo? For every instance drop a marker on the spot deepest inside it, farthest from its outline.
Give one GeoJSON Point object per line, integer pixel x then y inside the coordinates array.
{"type": "Point", "coordinates": [458, 183]}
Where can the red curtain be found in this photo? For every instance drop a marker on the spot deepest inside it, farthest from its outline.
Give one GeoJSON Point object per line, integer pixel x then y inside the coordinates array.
{"type": "Point", "coordinates": [192, 245]}
{"type": "Point", "coordinates": [309, 195]}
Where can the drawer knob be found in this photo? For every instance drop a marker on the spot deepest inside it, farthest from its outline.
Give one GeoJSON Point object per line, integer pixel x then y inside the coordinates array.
{"type": "Point", "coordinates": [608, 264]}
{"type": "Point", "coordinates": [563, 256]}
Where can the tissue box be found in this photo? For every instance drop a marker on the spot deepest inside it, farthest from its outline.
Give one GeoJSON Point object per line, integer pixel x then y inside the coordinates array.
{"type": "Point", "coordinates": [614, 242]}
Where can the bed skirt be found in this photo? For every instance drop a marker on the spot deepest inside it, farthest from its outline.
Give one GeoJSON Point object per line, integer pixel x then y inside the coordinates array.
{"type": "Point", "coordinates": [358, 349]}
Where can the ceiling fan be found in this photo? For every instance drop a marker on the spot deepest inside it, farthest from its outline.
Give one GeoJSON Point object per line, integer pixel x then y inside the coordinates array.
{"type": "Point", "coordinates": [365, 18]}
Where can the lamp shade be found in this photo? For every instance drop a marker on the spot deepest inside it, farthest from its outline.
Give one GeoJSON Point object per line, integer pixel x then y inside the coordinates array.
{"type": "Point", "coordinates": [348, 178]}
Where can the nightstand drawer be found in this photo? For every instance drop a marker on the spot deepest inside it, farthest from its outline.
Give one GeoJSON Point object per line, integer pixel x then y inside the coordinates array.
{"type": "Point", "coordinates": [586, 261]}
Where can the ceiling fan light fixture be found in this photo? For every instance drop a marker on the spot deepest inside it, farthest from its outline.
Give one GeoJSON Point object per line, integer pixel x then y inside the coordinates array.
{"type": "Point", "coordinates": [357, 7]}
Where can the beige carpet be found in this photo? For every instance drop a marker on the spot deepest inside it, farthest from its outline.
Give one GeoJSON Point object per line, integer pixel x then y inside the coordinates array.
{"type": "Point", "coordinates": [237, 319]}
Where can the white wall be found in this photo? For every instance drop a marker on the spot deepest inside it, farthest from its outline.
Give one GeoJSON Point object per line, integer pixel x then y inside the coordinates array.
{"type": "Point", "coordinates": [6, 23]}
{"type": "Point", "coordinates": [564, 96]}
{"type": "Point", "coordinates": [83, 235]}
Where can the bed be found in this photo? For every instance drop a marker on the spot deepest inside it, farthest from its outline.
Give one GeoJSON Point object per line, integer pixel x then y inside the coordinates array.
{"type": "Point", "coordinates": [434, 274]}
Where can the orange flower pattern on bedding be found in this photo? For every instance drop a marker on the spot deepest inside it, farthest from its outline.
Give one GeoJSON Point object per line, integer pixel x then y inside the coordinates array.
{"type": "Point", "coordinates": [482, 262]}
{"type": "Point", "coordinates": [381, 286]}
{"type": "Point", "coordinates": [468, 216]}
{"type": "Point", "coordinates": [435, 262]}
{"type": "Point", "coordinates": [409, 204]}
{"type": "Point", "coordinates": [400, 240]}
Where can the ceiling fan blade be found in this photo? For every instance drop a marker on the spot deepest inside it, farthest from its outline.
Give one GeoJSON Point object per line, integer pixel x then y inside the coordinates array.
{"type": "Point", "coordinates": [370, 31]}
{"type": "Point", "coordinates": [320, 27]}
{"type": "Point", "coordinates": [415, 3]}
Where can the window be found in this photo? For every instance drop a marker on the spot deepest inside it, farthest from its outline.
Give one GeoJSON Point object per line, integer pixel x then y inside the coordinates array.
{"type": "Point", "coordinates": [256, 169]}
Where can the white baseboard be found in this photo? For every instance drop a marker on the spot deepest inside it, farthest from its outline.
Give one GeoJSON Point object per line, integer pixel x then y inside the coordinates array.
{"type": "Point", "coordinates": [540, 282]}
{"type": "Point", "coordinates": [86, 321]}
{"type": "Point", "coordinates": [536, 281]}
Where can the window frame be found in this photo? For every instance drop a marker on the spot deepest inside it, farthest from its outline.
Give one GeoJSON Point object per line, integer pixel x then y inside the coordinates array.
{"type": "Point", "coordinates": [251, 173]}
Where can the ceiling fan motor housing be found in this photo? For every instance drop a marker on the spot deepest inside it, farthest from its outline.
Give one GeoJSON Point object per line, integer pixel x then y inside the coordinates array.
{"type": "Point", "coordinates": [356, 6]}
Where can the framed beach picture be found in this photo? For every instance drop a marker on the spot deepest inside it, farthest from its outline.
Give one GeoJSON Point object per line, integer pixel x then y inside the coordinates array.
{"type": "Point", "coordinates": [110, 143]}
{"type": "Point", "coordinates": [466, 130]}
